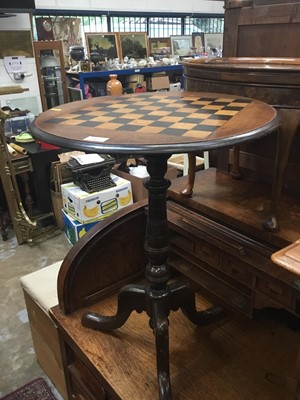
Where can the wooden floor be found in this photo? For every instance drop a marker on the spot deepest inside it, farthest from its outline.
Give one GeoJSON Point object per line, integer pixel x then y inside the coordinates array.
{"type": "Point", "coordinates": [237, 359]}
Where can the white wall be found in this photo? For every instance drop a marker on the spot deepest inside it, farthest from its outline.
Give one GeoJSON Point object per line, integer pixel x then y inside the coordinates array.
{"type": "Point", "coordinates": [189, 6]}
{"type": "Point", "coordinates": [30, 99]}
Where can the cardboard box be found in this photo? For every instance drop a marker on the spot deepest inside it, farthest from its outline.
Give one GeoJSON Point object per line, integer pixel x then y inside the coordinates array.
{"type": "Point", "coordinates": [57, 205]}
{"type": "Point", "coordinates": [74, 230]}
{"type": "Point", "coordinates": [89, 207]}
{"type": "Point", "coordinates": [158, 83]}
{"type": "Point", "coordinates": [175, 87]}
{"type": "Point", "coordinates": [138, 190]}
{"type": "Point", "coordinates": [133, 85]}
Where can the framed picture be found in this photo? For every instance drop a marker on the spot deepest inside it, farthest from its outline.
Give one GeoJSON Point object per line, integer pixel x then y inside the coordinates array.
{"type": "Point", "coordinates": [213, 41]}
{"type": "Point", "coordinates": [133, 44]}
{"type": "Point", "coordinates": [160, 46]}
{"type": "Point", "coordinates": [104, 44]}
{"type": "Point", "coordinates": [198, 41]}
{"type": "Point", "coordinates": [181, 45]}
{"type": "Point", "coordinates": [16, 43]}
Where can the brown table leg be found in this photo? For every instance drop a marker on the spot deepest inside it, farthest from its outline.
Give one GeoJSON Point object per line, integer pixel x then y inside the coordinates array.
{"type": "Point", "coordinates": [188, 189]}
{"type": "Point", "coordinates": [289, 122]}
{"type": "Point", "coordinates": [158, 297]}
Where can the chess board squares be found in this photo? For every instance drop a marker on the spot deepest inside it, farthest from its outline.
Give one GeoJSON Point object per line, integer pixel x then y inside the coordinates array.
{"type": "Point", "coordinates": [77, 121]}
{"type": "Point", "coordinates": [173, 119]}
{"type": "Point", "coordinates": [227, 112]}
{"type": "Point", "coordinates": [150, 108]}
{"type": "Point", "coordinates": [65, 121]}
{"type": "Point", "coordinates": [117, 106]}
{"type": "Point", "coordinates": [212, 107]}
{"type": "Point", "coordinates": [152, 129]}
{"type": "Point", "coordinates": [140, 102]}
{"type": "Point", "coordinates": [159, 113]}
{"type": "Point", "coordinates": [97, 113]}
{"type": "Point", "coordinates": [140, 122]}
{"type": "Point", "coordinates": [197, 134]}
{"type": "Point", "coordinates": [167, 100]}
{"type": "Point", "coordinates": [110, 126]}
{"type": "Point", "coordinates": [212, 122]}
{"type": "Point", "coordinates": [190, 110]}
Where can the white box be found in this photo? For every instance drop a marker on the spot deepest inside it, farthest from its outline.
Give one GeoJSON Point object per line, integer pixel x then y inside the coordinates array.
{"type": "Point", "coordinates": [88, 207]}
{"type": "Point", "coordinates": [175, 87]}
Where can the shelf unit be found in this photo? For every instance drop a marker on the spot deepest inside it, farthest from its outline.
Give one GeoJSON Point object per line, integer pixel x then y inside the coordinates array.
{"type": "Point", "coordinates": [83, 76]}
{"type": "Point", "coordinates": [51, 73]}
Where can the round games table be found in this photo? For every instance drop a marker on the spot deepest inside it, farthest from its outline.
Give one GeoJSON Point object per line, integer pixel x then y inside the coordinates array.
{"type": "Point", "coordinates": [156, 125]}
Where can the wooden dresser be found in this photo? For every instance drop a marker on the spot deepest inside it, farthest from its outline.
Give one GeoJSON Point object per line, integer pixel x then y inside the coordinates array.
{"type": "Point", "coordinates": [237, 358]}
{"type": "Point", "coordinates": [223, 246]}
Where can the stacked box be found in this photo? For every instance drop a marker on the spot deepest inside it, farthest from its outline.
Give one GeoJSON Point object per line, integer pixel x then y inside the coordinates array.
{"type": "Point", "coordinates": [158, 83]}
{"type": "Point", "coordinates": [90, 207]}
{"type": "Point", "coordinates": [175, 87]}
{"type": "Point", "coordinates": [74, 229]}
{"type": "Point", "coordinates": [138, 189]}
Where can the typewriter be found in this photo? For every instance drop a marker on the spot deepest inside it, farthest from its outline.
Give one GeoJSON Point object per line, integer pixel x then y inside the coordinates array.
{"type": "Point", "coordinates": [95, 176]}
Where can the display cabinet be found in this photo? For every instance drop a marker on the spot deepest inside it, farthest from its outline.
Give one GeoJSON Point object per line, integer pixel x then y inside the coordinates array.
{"type": "Point", "coordinates": [51, 73]}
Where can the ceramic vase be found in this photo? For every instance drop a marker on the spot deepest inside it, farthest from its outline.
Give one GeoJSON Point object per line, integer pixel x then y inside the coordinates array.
{"type": "Point", "coordinates": [114, 86]}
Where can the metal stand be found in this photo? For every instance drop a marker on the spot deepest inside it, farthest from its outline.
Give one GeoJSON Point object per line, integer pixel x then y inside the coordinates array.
{"type": "Point", "coordinates": [25, 228]}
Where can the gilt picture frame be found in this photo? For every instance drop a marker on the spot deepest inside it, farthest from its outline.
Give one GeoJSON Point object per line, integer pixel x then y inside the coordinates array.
{"type": "Point", "coordinates": [105, 44]}
{"type": "Point", "coordinates": [160, 46]}
{"type": "Point", "coordinates": [133, 45]}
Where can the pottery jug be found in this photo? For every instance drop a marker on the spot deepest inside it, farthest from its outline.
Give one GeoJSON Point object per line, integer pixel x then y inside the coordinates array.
{"type": "Point", "coordinates": [113, 86]}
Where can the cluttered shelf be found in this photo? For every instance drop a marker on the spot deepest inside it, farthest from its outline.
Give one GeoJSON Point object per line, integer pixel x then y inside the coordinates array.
{"type": "Point", "coordinates": [82, 77]}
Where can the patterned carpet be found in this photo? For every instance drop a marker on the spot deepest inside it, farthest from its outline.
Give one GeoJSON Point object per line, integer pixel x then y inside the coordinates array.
{"type": "Point", "coordinates": [37, 389]}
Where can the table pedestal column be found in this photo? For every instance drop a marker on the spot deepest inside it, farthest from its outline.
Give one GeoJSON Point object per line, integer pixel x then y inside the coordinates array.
{"type": "Point", "coordinates": [157, 297]}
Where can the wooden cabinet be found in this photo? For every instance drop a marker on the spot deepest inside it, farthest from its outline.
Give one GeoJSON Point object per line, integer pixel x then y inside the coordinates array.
{"type": "Point", "coordinates": [262, 28]}
{"type": "Point", "coordinates": [225, 250]}
{"type": "Point", "coordinates": [51, 73]}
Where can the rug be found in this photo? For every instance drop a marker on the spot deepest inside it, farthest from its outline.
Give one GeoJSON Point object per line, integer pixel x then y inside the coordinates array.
{"type": "Point", "coordinates": [37, 389]}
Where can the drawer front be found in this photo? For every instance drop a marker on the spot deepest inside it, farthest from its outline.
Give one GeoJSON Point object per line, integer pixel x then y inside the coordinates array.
{"type": "Point", "coordinates": [84, 384]}
{"type": "Point", "coordinates": [207, 253]}
{"type": "Point", "coordinates": [238, 271]}
{"type": "Point", "coordinates": [276, 290]}
{"type": "Point", "coordinates": [20, 166]}
{"type": "Point", "coordinates": [182, 242]}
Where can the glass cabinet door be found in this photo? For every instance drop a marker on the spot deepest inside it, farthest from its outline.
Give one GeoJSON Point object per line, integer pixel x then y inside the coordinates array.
{"type": "Point", "coordinates": [51, 73]}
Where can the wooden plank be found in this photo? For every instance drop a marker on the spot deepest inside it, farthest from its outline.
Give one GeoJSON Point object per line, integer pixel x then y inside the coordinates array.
{"type": "Point", "coordinates": [12, 89]}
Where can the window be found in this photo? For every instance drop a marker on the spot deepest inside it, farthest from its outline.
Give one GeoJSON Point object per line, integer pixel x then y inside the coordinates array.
{"type": "Point", "coordinates": [158, 26]}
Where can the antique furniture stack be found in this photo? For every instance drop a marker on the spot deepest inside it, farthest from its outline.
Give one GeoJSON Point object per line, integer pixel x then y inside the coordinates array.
{"type": "Point", "coordinates": [160, 124]}
{"type": "Point", "coordinates": [221, 238]}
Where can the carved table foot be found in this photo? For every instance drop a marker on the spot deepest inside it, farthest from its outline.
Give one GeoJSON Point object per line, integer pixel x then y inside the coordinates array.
{"type": "Point", "coordinates": [158, 305]}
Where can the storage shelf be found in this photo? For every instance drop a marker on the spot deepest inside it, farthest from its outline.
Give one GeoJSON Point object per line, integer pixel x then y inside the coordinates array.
{"type": "Point", "coordinates": [82, 76]}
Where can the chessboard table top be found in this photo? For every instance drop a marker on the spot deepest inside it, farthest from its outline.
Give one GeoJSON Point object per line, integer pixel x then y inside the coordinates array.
{"type": "Point", "coordinates": [164, 122]}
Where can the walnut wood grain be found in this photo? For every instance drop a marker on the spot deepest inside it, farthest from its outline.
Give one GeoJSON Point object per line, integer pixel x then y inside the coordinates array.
{"type": "Point", "coordinates": [234, 360]}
